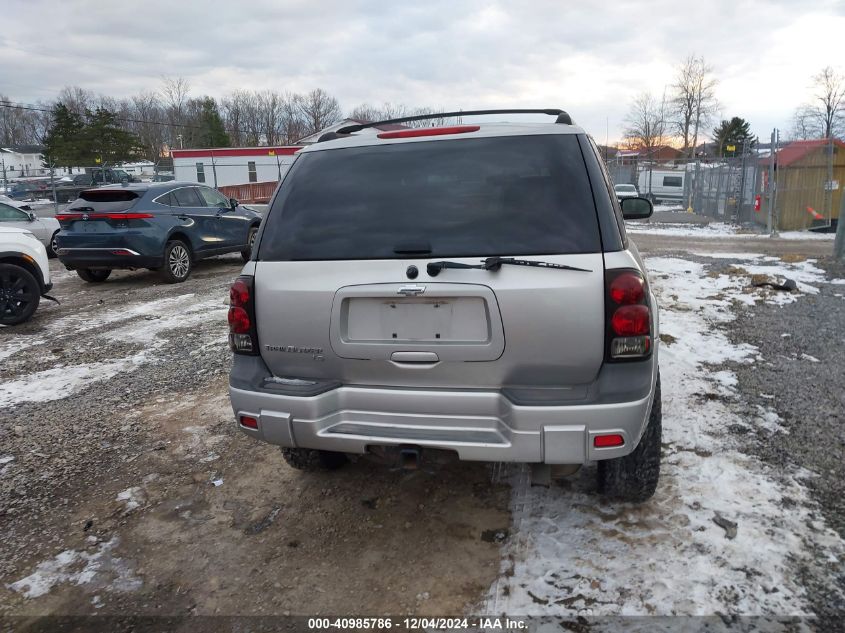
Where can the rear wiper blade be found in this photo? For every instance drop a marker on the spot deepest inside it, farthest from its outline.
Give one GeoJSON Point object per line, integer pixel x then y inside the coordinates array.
{"type": "Point", "coordinates": [495, 263]}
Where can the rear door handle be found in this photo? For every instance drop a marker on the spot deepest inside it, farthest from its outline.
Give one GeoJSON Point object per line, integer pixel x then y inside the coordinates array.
{"type": "Point", "coordinates": [414, 357]}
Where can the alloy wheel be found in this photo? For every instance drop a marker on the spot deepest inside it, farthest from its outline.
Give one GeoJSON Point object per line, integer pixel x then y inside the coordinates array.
{"type": "Point", "coordinates": [14, 295]}
{"type": "Point", "coordinates": [179, 261]}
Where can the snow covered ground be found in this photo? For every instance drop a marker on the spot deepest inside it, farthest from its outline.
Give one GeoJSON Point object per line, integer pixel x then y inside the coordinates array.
{"type": "Point", "coordinates": [140, 322]}
{"type": "Point", "coordinates": [717, 230]}
{"type": "Point", "coordinates": [573, 554]}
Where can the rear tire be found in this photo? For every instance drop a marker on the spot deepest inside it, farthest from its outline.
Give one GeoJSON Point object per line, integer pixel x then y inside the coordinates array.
{"type": "Point", "coordinates": [177, 262]}
{"type": "Point", "coordinates": [19, 294]}
{"type": "Point", "coordinates": [93, 276]}
{"type": "Point", "coordinates": [310, 460]}
{"type": "Point", "coordinates": [247, 252]}
{"type": "Point", "coordinates": [634, 477]}
{"type": "Point", "coordinates": [52, 249]}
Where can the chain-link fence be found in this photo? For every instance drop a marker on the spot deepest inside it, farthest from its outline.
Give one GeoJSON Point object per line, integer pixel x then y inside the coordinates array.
{"type": "Point", "coordinates": [800, 188]}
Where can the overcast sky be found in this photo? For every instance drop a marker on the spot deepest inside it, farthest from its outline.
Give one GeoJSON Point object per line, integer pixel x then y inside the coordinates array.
{"type": "Point", "coordinates": [589, 58]}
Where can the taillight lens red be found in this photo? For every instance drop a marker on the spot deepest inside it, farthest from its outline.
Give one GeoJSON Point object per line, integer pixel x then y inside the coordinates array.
{"type": "Point", "coordinates": [630, 320]}
{"type": "Point", "coordinates": [239, 322]}
{"type": "Point", "coordinates": [605, 441]}
{"type": "Point", "coordinates": [239, 294]}
{"type": "Point", "coordinates": [243, 337]}
{"type": "Point", "coordinates": [627, 288]}
{"type": "Point", "coordinates": [104, 216]}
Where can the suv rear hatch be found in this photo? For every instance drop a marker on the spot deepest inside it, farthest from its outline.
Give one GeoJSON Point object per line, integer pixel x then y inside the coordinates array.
{"type": "Point", "coordinates": [336, 297]}
{"type": "Point", "coordinates": [102, 211]}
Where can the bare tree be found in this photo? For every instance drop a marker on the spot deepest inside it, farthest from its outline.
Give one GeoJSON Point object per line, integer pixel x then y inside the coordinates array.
{"type": "Point", "coordinates": [148, 113]}
{"type": "Point", "coordinates": [319, 110]}
{"type": "Point", "coordinates": [367, 112]}
{"type": "Point", "coordinates": [175, 91]}
{"type": "Point", "coordinates": [693, 100]}
{"type": "Point", "coordinates": [646, 124]}
{"type": "Point", "coordinates": [14, 123]}
{"type": "Point", "coordinates": [803, 127]}
{"type": "Point", "coordinates": [77, 100]}
{"type": "Point", "coordinates": [293, 124]}
{"type": "Point", "coordinates": [824, 116]}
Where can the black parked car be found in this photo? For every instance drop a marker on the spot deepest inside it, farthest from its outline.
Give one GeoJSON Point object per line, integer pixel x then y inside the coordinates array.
{"type": "Point", "coordinates": [160, 226]}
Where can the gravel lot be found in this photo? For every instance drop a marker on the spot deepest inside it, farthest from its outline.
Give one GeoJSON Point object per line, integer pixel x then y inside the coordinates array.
{"type": "Point", "coordinates": [126, 489]}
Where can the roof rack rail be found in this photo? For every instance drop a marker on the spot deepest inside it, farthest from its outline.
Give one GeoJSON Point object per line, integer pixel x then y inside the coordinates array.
{"type": "Point", "coordinates": [562, 117]}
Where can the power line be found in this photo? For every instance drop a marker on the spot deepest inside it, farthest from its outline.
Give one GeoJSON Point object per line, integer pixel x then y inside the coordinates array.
{"type": "Point", "coordinates": [34, 108]}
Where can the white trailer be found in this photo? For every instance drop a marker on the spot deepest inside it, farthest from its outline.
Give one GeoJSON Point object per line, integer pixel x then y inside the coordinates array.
{"type": "Point", "coordinates": [225, 166]}
{"type": "Point", "coordinates": [662, 185]}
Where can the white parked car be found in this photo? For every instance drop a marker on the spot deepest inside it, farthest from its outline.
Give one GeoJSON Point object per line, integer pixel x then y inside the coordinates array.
{"type": "Point", "coordinates": [14, 214]}
{"type": "Point", "coordinates": [24, 275]}
{"type": "Point", "coordinates": [625, 191]}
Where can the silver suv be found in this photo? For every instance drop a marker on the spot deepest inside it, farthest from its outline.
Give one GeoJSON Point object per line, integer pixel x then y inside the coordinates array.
{"type": "Point", "coordinates": [467, 288]}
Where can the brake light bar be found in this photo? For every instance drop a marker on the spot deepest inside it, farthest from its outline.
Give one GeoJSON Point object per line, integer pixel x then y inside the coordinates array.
{"type": "Point", "coordinates": [431, 131]}
{"type": "Point", "coordinates": [103, 216]}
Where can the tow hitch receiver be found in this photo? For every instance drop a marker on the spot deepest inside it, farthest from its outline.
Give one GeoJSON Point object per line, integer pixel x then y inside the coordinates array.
{"type": "Point", "coordinates": [409, 457]}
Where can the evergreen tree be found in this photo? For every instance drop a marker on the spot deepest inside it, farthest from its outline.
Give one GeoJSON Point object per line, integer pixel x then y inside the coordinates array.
{"type": "Point", "coordinates": [104, 142]}
{"type": "Point", "coordinates": [63, 141]}
{"type": "Point", "coordinates": [212, 132]}
{"type": "Point", "coordinates": [736, 132]}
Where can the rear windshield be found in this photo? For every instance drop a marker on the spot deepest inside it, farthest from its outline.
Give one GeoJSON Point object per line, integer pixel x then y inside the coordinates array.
{"type": "Point", "coordinates": [525, 195]}
{"type": "Point", "coordinates": [625, 188]}
{"type": "Point", "coordinates": [105, 200]}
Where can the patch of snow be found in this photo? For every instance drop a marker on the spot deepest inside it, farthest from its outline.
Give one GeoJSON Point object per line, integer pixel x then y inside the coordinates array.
{"type": "Point", "coordinates": [805, 235]}
{"type": "Point", "coordinates": [769, 420]}
{"type": "Point", "coordinates": [573, 552]}
{"type": "Point", "coordinates": [132, 497]}
{"type": "Point", "coordinates": [99, 569]}
{"type": "Point", "coordinates": [160, 316]}
{"type": "Point", "coordinates": [714, 229]}
{"type": "Point", "coordinates": [6, 459]}
{"type": "Point", "coordinates": [62, 381]}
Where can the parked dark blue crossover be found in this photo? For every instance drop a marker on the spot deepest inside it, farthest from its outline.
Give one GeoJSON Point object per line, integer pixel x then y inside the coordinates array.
{"type": "Point", "coordinates": [161, 226]}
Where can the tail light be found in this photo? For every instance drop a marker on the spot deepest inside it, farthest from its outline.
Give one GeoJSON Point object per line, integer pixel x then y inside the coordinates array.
{"type": "Point", "coordinates": [243, 336]}
{"type": "Point", "coordinates": [628, 316]}
{"type": "Point", "coordinates": [67, 217]}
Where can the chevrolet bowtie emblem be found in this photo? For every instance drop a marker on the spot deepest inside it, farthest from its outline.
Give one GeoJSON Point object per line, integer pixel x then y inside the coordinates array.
{"type": "Point", "coordinates": [411, 291]}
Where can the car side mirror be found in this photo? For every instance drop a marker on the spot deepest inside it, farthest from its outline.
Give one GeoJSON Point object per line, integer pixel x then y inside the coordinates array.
{"type": "Point", "coordinates": [636, 208]}
{"type": "Point", "coordinates": [32, 216]}
{"type": "Point", "coordinates": [233, 203]}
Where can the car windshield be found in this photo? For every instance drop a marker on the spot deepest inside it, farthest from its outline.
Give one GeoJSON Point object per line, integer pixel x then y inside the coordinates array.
{"type": "Point", "coordinates": [626, 188]}
{"type": "Point", "coordinates": [526, 195]}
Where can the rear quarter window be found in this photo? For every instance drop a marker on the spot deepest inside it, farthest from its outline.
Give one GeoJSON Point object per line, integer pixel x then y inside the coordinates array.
{"type": "Point", "coordinates": [509, 195]}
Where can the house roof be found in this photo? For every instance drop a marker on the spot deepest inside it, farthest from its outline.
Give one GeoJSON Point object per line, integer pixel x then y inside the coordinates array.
{"type": "Point", "coordinates": [23, 149]}
{"type": "Point", "coordinates": [797, 150]}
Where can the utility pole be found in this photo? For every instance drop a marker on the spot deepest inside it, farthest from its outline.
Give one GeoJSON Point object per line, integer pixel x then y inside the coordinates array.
{"type": "Point", "coordinates": [214, 169]}
{"type": "Point", "coordinates": [5, 182]}
{"type": "Point", "coordinates": [53, 187]}
{"type": "Point", "coordinates": [770, 218]}
{"type": "Point", "coordinates": [839, 243]}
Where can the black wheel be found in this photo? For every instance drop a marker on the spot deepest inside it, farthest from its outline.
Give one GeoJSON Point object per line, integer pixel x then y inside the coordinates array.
{"type": "Point", "coordinates": [19, 294]}
{"type": "Point", "coordinates": [311, 460]}
{"type": "Point", "coordinates": [177, 262]}
{"type": "Point", "coordinates": [53, 248]}
{"type": "Point", "coordinates": [96, 276]}
{"type": "Point", "coordinates": [634, 477]}
{"type": "Point", "coordinates": [247, 252]}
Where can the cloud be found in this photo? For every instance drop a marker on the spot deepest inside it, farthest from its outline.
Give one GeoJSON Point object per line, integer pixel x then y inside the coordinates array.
{"type": "Point", "coordinates": [589, 58]}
